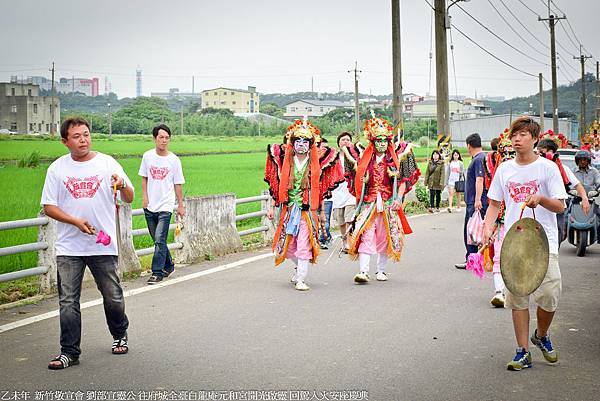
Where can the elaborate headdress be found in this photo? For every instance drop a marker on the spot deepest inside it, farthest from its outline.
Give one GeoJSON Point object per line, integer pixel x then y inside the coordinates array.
{"type": "Point", "coordinates": [301, 129]}
{"type": "Point", "coordinates": [377, 128]}
{"type": "Point", "coordinates": [560, 140]}
{"type": "Point", "coordinates": [504, 139]}
{"type": "Point", "coordinates": [374, 128]}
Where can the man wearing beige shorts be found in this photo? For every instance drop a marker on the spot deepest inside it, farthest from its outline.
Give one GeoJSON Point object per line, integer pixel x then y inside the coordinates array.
{"type": "Point", "coordinates": [536, 182]}
{"type": "Point", "coordinates": [344, 204]}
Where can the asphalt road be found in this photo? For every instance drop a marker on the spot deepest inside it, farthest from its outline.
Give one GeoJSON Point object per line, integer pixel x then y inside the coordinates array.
{"type": "Point", "coordinates": [429, 333]}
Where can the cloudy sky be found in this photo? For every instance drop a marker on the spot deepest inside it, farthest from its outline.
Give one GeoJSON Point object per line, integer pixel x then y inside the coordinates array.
{"type": "Point", "coordinates": [278, 46]}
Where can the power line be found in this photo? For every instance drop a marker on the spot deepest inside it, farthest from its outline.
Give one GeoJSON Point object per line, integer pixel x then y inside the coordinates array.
{"type": "Point", "coordinates": [496, 57]}
{"type": "Point", "coordinates": [527, 7]}
{"type": "Point", "coordinates": [513, 29]}
{"type": "Point", "coordinates": [523, 25]}
{"type": "Point", "coordinates": [569, 36]}
{"type": "Point", "coordinates": [499, 38]}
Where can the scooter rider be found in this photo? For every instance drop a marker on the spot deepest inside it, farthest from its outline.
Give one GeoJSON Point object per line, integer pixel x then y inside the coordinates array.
{"type": "Point", "coordinates": [585, 173]}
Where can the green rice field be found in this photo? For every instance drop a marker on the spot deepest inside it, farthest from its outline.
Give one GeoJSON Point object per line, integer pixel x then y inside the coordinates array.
{"type": "Point", "coordinates": [225, 171]}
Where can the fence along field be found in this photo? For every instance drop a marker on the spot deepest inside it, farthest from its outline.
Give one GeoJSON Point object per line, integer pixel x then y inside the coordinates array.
{"type": "Point", "coordinates": [207, 174]}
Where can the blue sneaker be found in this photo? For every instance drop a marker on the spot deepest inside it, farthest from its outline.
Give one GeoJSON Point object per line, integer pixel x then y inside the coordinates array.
{"type": "Point", "coordinates": [545, 345]}
{"type": "Point", "coordinates": [521, 360]}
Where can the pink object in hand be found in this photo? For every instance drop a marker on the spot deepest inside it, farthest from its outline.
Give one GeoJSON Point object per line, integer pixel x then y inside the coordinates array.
{"type": "Point", "coordinates": [475, 264]}
{"type": "Point", "coordinates": [103, 238]}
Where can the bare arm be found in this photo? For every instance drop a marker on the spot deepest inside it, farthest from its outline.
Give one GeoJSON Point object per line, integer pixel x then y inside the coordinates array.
{"type": "Point", "coordinates": [180, 204]}
{"type": "Point", "coordinates": [144, 192]}
{"type": "Point", "coordinates": [490, 219]}
{"type": "Point", "coordinates": [58, 214]}
{"type": "Point", "coordinates": [478, 193]}
{"type": "Point", "coordinates": [127, 192]}
{"type": "Point", "coordinates": [553, 205]}
{"type": "Point", "coordinates": [585, 202]}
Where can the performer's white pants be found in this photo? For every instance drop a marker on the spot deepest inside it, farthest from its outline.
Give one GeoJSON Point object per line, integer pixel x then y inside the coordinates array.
{"type": "Point", "coordinates": [364, 259]}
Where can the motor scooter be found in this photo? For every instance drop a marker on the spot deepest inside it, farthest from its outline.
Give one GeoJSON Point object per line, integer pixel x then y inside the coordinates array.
{"type": "Point", "coordinates": [582, 229]}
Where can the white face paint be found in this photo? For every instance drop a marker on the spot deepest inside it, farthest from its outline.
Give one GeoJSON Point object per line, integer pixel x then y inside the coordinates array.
{"type": "Point", "coordinates": [301, 146]}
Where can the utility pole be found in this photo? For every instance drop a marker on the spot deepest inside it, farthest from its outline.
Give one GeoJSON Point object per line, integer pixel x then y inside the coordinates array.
{"type": "Point", "coordinates": [52, 106]}
{"type": "Point", "coordinates": [181, 118]}
{"type": "Point", "coordinates": [441, 68]}
{"type": "Point", "coordinates": [597, 90]}
{"type": "Point", "coordinates": [582, 59]}
{"type": "Point", "coordinates": [397, 67]}
{"type": "Point", "coordinates": [541, 82]}
{"type": "Point", "coordinates": [312, 85]}
{"type": "Point", "coordinates": [192, 84]}
{"type": "Point", "coordinates": [356, 108]}
{"type": "Point", "coordinates": [109, 122]}
{"type": "Point", "coordinates": [552, 22]}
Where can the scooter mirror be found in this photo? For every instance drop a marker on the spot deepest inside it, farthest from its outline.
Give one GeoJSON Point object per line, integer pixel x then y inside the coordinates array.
{"type": "Point", "coordinates": [592, 194]}
{"type": "Point", "coordinates": [573, 192]}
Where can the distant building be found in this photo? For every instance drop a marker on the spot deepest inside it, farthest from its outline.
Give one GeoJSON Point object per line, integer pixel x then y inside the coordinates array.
{"type": "Point", "coordinates": [313, 108]}
{"type": "Point", "coordinates": [174, 93]}
{"type": "Point", "coordinates": [236, 100]}
{"type": "Point", "coordinates": [24, 111]}
{"type": "Point", "coordinates": [489, 127]}
{"type": "Point", "coordinates": [85, 86]}
{"type": "Point", "coordinates": [468, 108]}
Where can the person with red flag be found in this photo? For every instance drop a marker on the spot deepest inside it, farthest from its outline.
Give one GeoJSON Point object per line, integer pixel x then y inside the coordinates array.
{"type": "Point", "coordinates": [384, 173]}
{"type": "Point", "coordinates": [300, 177]}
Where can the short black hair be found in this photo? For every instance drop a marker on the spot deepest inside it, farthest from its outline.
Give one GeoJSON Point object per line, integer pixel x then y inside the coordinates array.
{"type": "Point", "coordinates": [160, 127]}
{"type": "Point", "coordinates": [474, 140]}
{"type": "Point", "coordinates": [438, 153]}
{"type": "Point", "coordinates": [343, 134]}
{"type": "Point", "coordinates": [548, 144]}
{"type": "Point", "coordinates": [323, 140]}
{"type": "Point", "coordinates": [72, 122]}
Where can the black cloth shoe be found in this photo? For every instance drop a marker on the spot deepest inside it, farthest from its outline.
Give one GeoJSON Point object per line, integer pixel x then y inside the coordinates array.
{"type": "Point", "coordinates": [154, 279]}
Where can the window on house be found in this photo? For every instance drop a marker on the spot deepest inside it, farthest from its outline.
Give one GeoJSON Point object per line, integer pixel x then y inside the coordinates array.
{"type": "Point", "coordinates": [28, 92]}
{"type": "Point", "coordinates": [224, 93]}
{"type": "Point", "coordinates": [12, 91]}
{"type": "Point", "coordinates": [47, 127]}
{"type": "Point", "coordinates": [13, 109]}
{"type": "Point", "coordinates": [31, 127]}
{"type": "Point", "coordinates": [233, 93]}
{"type": "Point", "coordinates": [309, 109]}
{"type": "Point", "coordinates": [293, 109]}
{"type": "Point", "coordinates": [13, 127]}
{"type": "Point", "coordinates": [216, 93]}
{"type": "Point", "coordinates": [320, 109]}
{"type": "Point", "coordinates": [39, 126]}
{"type": "Point", "coordinates": [214, 103]}
{"type": "Point", "coordinates": [233, 102]}
{"type": "Point", "coordinates": [207, 104]}
{"type": "Point", "coordinates": [34, 108]}
{"type": "Point", "coordinates": [223, 103]}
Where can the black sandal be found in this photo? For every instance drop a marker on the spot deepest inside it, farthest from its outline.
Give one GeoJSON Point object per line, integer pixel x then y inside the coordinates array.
{"type": "Point", "coordinates": [65, 362]}
{"type": "Point", "coordinates": [120, 343]}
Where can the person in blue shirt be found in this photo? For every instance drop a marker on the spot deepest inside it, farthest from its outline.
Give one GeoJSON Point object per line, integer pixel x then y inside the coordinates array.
{"type": "Point", "coordinates": [475, 192]}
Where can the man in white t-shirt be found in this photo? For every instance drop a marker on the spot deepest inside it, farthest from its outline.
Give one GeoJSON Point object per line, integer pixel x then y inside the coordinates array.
{"type": "Point", "coordinates": [344, 204]}
{"type": "Point", "coordinates": [162, 180]}
{"type": "Point", "coordinates": [535, 181]}
{"type": "Point", "coordinates": [79, 192]}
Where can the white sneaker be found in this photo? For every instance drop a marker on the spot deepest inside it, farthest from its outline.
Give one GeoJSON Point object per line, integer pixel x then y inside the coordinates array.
{"type": "Point", "coordinates": [294, 278]}
{"type": "Point", "coordinates": [458, 209]}
{"type": "Point", "coordinates": [301, 286]}
{"type": "Point", "coordinates": [361, 278]}
{"type": "Point", "coordinates": [381, 276]}
{"type": "Point", "coordinates": [498, 300]}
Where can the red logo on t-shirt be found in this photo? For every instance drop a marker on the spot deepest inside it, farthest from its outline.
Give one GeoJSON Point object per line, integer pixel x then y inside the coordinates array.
{"type": "Point", "coordinates": [83, 188]}
{"type": "Point", "coordinates": [520, 192]}
{"type": "Point", "coordinates": [159, 173]}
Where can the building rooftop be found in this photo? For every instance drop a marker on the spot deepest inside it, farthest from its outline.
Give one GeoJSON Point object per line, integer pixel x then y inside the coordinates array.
{"type": "Point", "coordinates": [335, 103]}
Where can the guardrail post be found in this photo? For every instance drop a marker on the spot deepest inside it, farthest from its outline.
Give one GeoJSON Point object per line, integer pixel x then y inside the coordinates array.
{"type": "Point", "coordinates": [47, 257]}
{"type": "Point", "coordinates": [209, 228]}
{"type": "Point", "coordinates": [264, 206]}
{"type": "Point", "coordinates": [128, 260]}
